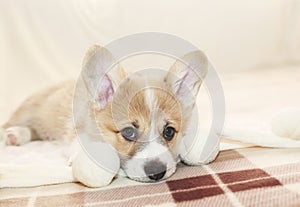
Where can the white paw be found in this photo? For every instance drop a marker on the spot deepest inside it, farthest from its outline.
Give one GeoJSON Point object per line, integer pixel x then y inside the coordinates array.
{"type": "Point", "coordinates": [17, 136]}
{"type": "Point", "coordinates": [99, 167]}
{"type": "Point", "coordinates": [89, 173]}
{"type": "Point", "coordinates": [195, 155]}
{"type": "Point", "coordinates": [287, 123]}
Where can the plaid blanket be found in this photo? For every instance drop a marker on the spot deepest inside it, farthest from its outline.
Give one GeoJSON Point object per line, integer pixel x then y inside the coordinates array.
{"type": "Point", "coordinates": [241, 177]}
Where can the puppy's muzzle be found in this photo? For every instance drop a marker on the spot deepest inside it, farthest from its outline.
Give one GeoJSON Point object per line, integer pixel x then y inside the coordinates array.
{"type": "Point", "coordinates": [155, 170]}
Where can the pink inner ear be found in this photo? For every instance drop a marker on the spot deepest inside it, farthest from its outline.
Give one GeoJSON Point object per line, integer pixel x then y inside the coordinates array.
{"type": "Point", "coordinates": [185, 83]}
{"type": "Point", "coordinates": [106, 92]}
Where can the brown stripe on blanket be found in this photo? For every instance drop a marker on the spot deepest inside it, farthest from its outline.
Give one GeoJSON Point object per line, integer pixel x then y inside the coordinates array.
{"type": "Point", "coordinates": [224, 162]}
{"type": "Point", "coordinates": [286, 174]}
{"type": "Point", "coordinates": [187, 183]}
{"type": "Point", "coordinates": [194, 188]}
{"type": "Point", "coordinates": [242, 175]}
{"type": "Point", "coordinates": [265, 182]}
{"type": "Point", "coordinates": [199, 187]}
{"type": "Point", "coordinates": [196, 194]}
{"type": "Point", "coordinates": [247, 179]}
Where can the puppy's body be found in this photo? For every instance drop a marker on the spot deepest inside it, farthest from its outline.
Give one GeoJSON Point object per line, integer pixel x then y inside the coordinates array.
{"type": "Point", "coordinates": [143, 116]}
{"type": "Point", "coordinates": [48, 115]}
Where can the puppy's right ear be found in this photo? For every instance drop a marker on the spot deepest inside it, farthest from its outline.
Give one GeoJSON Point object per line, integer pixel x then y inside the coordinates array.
{"type": "Point", "coordinates": [98, 78]}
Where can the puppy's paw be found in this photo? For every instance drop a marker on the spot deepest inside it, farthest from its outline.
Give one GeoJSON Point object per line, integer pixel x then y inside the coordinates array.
{"type": "Point", "coordinates": [89, 173]}
{"type": "Point", "coordinates": [17, 136]}
{"type": "Point", "coordinates": [287, 123]}
{"type": "Point", "coordinates": [194, 156]}
{"type": "Point", "coordinates": [96, 168]}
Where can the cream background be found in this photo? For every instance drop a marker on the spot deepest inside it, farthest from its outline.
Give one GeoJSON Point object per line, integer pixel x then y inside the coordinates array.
{"type": "Point", "coordinates": [43, 42]}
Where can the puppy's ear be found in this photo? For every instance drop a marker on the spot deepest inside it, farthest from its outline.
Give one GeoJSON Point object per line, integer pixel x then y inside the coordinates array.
{"type": "Point", "coordinates": [99, 77]}
{"type": "Point", "coordinates": [186, 75]}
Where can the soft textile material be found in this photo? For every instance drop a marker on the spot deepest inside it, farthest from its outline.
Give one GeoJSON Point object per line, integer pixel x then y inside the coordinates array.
{"type": "Point", "coordinates": [45, 162]}
{"type": "Point", "coordinates": [285, 131]}
{"type": "Point", "coordinates": [247, 106]}
{"type": "Point", "coordinates": [248, 177]}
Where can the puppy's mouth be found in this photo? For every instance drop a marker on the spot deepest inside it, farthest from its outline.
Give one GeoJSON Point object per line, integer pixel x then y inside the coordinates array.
{"type": "Point", "coordinates": [152, 164]}
{"type": "Point", "coordinates": [153, 178]}
{"type": "Point", "coordinates": [150, 172]}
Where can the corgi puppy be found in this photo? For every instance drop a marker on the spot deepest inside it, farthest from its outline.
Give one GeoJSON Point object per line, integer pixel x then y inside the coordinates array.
{"type": "Point", "coordinates": [142, 116]}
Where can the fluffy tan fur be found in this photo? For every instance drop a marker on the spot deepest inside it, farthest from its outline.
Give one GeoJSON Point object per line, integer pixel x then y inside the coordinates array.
{"type": "Point", "coordinates": [48, 113]}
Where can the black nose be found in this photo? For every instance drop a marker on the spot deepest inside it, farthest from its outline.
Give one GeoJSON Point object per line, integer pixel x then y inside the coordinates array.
{"type": "Point", "coordinates": [155, 170]}
{"type": "Point", "coordinates": [157, 176]}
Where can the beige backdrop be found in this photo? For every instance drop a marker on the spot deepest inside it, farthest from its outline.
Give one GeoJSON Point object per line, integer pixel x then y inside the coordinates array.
{"type": "Point", "coordinates": [43, 42]}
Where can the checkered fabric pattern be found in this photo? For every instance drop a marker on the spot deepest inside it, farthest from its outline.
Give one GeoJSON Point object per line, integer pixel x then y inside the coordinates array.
{"type": "Point", "coordinates": [243, 177]}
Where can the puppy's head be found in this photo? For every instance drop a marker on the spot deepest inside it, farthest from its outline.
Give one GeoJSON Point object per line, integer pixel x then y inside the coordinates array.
{"type": "Point", "coordinates": [144, 116]}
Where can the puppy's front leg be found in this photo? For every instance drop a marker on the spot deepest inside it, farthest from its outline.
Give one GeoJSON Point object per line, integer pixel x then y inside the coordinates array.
{"type": "Point", "coordinates": [94, 172]}
{"type": "Point", "coordinates": [199, 155]}
{"type": "Point", "coordinates": [199, 149]}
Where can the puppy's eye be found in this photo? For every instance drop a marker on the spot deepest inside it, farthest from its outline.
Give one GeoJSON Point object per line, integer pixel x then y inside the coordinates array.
{"type": "Point", "coordinates": [169, 133]}
{"type": "Point", "coordinates": [129, 133]}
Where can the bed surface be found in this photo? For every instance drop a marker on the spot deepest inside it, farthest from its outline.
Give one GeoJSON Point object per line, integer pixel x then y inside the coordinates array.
{"type": "Point", "coordinates": [249, 176]}
{"type": "Point", "coordinates": [240, 177]}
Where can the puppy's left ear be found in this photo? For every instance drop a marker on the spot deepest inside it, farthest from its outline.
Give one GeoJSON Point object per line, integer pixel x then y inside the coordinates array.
{"type": "Point", "coordinates": [186, 76]}
{"type": "Point", "coordinates": [99, 77]}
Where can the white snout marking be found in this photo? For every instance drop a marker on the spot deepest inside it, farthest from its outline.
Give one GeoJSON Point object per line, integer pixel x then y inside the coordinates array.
{"type": "Point", "coordinates": [134, 167]}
